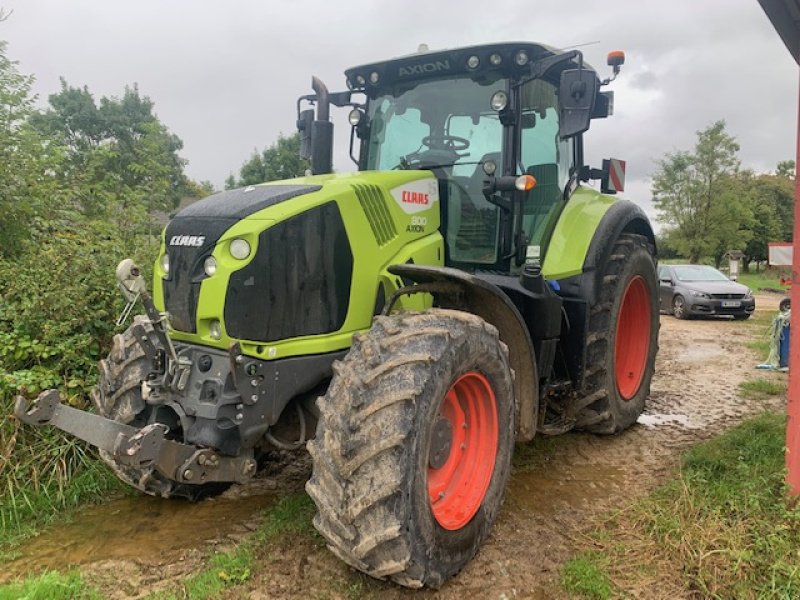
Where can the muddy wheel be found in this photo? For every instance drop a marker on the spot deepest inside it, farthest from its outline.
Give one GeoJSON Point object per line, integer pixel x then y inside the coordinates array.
{"type": "Point", "coordinates": [679, 307]}
{"type": "Point", "coordinates": [622, 340]}
{"type": "Point", "coordinates": [118, 396]}
{"type": "Point", "coordinates": [413, 446]}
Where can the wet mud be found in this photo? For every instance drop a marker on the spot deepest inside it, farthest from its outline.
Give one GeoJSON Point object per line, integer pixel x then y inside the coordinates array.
{"type": "Point", "coordinates": [149, 530]}
{"type": "Point", "coordinates": [559, 487]}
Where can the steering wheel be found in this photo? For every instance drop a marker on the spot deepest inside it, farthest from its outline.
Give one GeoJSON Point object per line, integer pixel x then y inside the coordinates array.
{"type": "Point", "coordinates": [446, 142]}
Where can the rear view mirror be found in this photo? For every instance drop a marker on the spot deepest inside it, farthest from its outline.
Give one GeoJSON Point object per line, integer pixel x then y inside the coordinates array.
{"type": "Point", "coordinates": [305, 122]}
{"type": "Point", "coordinates": [576, 94]}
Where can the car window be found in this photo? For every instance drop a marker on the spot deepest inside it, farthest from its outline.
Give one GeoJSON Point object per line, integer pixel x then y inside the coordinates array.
{"type": "Point", "coordinates": [698, 273]}
{"type": "Point", "coordinates": [663, 273]}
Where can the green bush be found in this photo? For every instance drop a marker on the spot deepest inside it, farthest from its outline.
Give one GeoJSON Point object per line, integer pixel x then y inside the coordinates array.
{"type": "Point", "coordinates": [58, 307]}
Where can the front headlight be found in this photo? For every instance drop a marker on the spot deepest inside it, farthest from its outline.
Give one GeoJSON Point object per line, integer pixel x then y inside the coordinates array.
{"type": "Point", "coordinates": [240, 249]}
{"type": "Point", "coordinates": [210, 266]}
{"type": "Point", "coordinates": [165, 263]}
{"type": "Point", "coordinates": [748, 294]}
{"type": "Point", "coordinates": [697, 294]}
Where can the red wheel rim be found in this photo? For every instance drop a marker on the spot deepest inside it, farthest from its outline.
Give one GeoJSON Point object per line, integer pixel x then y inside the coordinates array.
{"type": "Point", "coordinates": [633, 338]}
{"type": "Point", "coordinates": [457, 487]}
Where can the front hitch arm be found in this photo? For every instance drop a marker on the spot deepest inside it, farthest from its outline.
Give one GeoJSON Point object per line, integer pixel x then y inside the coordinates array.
{"type": "Point", "coordinates": [138, 448]}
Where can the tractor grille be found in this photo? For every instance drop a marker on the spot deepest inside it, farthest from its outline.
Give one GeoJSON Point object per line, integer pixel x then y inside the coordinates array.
{"type": "Point", "coordinates": [380, 220]}
{"type": "Point", "coordinates": [297, 284]}
{"type": "Point", "coordinates": [727, 296]}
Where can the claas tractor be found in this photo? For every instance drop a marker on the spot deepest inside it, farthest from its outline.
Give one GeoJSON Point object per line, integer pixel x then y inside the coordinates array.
{"type": "Point", "coordinates": [464, 290]}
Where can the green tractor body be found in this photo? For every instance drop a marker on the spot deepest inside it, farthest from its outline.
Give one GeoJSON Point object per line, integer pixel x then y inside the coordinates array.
{"type": "Point", "coordinates": [463, 290]}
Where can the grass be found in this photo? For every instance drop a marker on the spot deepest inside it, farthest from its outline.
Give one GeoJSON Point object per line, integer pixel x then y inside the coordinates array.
{"type": "Point", "coordinates": [50, 586]}
{"type": "Point", "coordinates": [762, 387]}
{"type": "Point", "coordinates": [724, 529]}
{"type": "Point", "coordinates": [292, 516]}
{"type": "Point", "coordinates": [223, 570]}
{"type": "Point", "coordinates": [289, 518]}
{"type": "Point", "coordinates": [586, 576]}
{"type": "Point", "coordinates": [760, 347]}
{"type": "Point", "coordinates": [764, 280]}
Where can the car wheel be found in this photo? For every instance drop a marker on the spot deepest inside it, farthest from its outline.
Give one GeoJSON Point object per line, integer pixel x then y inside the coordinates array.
{"type": "Point", "coordinates": [679, 307]}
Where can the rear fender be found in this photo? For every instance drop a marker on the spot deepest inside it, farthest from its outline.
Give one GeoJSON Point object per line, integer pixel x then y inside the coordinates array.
{"type": "Point", "coordinates": [621, 217]}
{"type": "Point", "coordinates": [487, 301]}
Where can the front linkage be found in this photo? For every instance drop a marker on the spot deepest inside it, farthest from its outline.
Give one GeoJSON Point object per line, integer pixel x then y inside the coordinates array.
{"type": "Point", "coordinates": [138, 448]}
{"type": "Point", "coordinates": [147, 447]}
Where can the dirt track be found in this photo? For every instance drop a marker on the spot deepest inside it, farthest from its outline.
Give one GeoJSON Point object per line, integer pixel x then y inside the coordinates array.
{"type": "Point", "coordinates": [555, 490]}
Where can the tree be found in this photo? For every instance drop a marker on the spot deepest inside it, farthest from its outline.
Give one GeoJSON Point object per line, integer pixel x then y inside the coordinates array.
{"type": "Point", "coordinates": [123, 161]}
{"type": "Point", "coordinates": [699, 198]}
{"type": "Point", "coordinates": [26, 159]}
{"type": "Point", "coordinates": [199, 189]}
{"type": "Point", "coordinates": [280, 161]}
{"type": "Point", "coordinates": [786, 168]}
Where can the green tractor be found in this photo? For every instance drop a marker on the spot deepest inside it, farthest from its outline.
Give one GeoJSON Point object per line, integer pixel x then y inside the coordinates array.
{"type": "Point", "coordinates": [462, 291]}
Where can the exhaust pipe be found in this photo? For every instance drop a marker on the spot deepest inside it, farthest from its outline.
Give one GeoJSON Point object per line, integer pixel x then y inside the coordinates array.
{"type": "Point", "coordinates": [323, 100]}
{"type": "Point", "coordinates": [321, 131]}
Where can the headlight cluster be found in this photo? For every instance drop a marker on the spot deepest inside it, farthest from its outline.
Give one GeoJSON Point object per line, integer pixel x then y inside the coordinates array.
{"type": "Point", "coordinates": [697, 294]}
{"type": "Point", "coordinates": [239, 249]}
{"type": "Point", "coordinates": [748, 294]}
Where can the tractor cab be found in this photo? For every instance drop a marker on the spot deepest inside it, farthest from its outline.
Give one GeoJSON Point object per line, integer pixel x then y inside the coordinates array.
{"type": "Point", "coordinates": [499, 126]}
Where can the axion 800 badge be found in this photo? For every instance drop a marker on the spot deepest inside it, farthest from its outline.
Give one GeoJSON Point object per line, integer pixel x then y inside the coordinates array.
{"type": "Point", "coordinates": [416, 196]}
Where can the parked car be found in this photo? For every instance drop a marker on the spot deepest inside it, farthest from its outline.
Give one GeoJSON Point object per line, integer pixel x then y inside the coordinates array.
{"type": "Point", "coordinates": [692, 290]}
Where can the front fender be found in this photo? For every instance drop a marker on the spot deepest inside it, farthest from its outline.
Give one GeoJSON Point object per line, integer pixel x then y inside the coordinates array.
{"type": "Point", "coordinates": [493, 306]}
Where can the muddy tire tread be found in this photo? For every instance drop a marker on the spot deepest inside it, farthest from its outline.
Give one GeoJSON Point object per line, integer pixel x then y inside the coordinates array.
{"type": "Point", "coordinates": [366, 417]}
{"type": "Point", "coordinates": [596, 412]}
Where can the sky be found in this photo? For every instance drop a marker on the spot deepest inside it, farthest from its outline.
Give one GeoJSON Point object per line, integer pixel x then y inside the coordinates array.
{"type": "Point", "coordinates": [225, 75]}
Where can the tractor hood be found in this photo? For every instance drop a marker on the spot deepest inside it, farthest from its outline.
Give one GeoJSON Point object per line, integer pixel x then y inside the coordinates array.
{"type": "Point", "coordinates": [292, 274]}
{"type": "Point", "coordinates": [190, 237]}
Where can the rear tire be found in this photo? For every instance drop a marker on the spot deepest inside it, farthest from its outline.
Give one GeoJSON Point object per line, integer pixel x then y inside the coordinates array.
{"type": "Point", "coordinates": [622, 340]}
{"type": "Point", "coordinates": [406, 397]}
{"type": "Point", "coordinates": [118, 396]}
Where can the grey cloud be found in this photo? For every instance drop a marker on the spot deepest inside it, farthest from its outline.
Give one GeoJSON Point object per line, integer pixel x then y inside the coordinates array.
{"type": "Point", "coordinates": [225, 76]}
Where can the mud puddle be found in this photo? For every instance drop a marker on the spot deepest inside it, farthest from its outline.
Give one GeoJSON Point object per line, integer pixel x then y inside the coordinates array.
{"type": "Point", "coordinates": [532, 491]}
{"type": "Point", "coordinates": [144, 529]}
{"type": "Point", "coordinates": [656, 419]}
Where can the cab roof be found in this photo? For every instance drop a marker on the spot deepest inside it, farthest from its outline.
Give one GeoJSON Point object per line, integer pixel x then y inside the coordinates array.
{"type": "Point", "coordinates": [505, 59]}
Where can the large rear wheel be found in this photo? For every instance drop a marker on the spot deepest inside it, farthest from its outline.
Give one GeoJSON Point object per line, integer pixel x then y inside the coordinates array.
{"type": "Point", "coordinates": [413, 446]}
{"type": "Point", "coordinates": [622, 340]}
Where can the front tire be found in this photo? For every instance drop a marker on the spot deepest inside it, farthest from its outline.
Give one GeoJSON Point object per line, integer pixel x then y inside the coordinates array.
{"type": "Point", "coordinates": [623, 339]}
{"type": "Point", "coordinates": [679, 310]}
{"type": "Point", "coordinates": [118, 396]}
{"type": "Point", "coordinates": [413, 446]}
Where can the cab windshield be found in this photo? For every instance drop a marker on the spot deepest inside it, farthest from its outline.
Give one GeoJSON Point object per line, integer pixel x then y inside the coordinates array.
{"type": "Point", "coordinates": [446, 126]}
